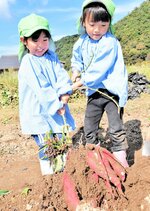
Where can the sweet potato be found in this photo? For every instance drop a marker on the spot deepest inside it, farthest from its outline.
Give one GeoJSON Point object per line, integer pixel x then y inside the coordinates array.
{"type": "Point", "coordinates": [70, 193]}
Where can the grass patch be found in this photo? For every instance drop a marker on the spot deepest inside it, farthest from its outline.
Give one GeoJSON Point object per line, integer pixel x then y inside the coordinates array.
{"type": "Point", "coordinates": [142, 68]}
{"type": "Point", "coordinates": [9, 84]}
{"type": "Point", "coordinates": [9, 88]}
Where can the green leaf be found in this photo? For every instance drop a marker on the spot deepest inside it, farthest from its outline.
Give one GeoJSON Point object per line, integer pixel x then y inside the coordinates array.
{"type": "Point", "coordinates": [26, 191]}
{"type": "Point", "coordinates": [4, 192]}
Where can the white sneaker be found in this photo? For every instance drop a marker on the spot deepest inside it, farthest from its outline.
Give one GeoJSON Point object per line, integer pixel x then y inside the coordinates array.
{"type": "Point", "coordinates": [121, 157]}
{"type": "Point", "coordinates": [46, 168]}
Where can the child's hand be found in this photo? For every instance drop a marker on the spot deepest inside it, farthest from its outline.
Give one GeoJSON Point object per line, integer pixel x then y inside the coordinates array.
{"type": "Point", "coordinates": [76, 85]}
{"type": "Point", "coordinates": [64, 98]}
{"type": "Point", "coordinates": [75, 76]}
{"type": "Point", "coordinates": [61, 111]}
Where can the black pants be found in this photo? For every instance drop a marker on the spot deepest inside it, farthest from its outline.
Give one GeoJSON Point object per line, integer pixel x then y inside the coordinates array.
{"type": "Point", "coordinates": [97, 104]}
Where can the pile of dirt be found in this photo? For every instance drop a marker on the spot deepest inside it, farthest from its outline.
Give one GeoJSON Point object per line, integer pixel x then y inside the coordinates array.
{"type": "Point", "coordinates": [48, 193]}
{"type": "Point", "coordinates": [89, 194]}
{"type": "Point", "coordinates": [29, 190]}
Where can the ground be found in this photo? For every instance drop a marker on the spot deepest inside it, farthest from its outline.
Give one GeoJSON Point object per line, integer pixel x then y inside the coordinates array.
{"type": "Point", "coordinates": [29, 190]}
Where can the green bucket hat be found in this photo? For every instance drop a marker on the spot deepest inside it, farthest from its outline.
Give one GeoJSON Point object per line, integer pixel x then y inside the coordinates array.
{"type": "Point", "coordinates": [27, 26]}
{"type": "Point", "coordinates": [110, 6]}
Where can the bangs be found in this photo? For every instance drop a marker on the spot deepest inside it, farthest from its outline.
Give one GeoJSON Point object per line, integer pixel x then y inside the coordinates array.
{"type": "Point", "coordinates": [96, 12]}
{"type": "Point", "coordinates": [36, 34]}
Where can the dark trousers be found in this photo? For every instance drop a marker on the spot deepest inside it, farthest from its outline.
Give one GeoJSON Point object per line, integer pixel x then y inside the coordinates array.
{"type": "Point", "coordinates": [97, 104]}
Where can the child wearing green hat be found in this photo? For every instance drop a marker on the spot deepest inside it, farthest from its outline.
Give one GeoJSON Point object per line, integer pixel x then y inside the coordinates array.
{"type": "Point", "coordinates": [97, 63]}
{"type": "Point", "coordinates": [44, 86]}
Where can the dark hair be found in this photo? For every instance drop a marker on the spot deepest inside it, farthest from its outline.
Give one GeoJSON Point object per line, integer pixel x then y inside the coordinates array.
{"type": "Point", "coordinates": [98, 12]}
{"type": "Point", "coordinates": [36, 34]}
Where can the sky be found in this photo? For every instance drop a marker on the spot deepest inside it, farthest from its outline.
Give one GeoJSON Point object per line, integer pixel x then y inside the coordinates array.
{"type": "Point", "coordinates": [61, 14]}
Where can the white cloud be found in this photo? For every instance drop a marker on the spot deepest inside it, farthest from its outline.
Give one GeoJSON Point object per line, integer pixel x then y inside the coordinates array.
{"type": "Point", "coordinates": [124, 9]}
{"type": "Point", "coordinates": [58, 37]}
{"type": "Point", "coordinates": [54, 10]}
{"type": "Point", "coordinates": [9, 50]}
{"type": "Point", "coordinates": [5, 8]}
{"type": "Point", "coordinates": [127, 8]}
{"type": "Point", "coordinates": [45, 2]}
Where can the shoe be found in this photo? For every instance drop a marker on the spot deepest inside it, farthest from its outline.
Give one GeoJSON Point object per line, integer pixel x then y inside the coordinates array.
{"type": "Point", "coordinates": [46, 168]}
{"type": "Point", "coordinates": [121, 157]}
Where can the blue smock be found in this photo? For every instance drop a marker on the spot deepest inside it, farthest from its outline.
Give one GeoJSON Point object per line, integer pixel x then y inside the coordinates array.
{"type": "Point", "coordinates": [42, 81]}
{"type": "Point", "coordinates": [101, 65]}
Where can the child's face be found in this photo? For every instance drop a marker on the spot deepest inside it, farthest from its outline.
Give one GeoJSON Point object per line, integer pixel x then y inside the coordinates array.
{"type": "Point", "coordinates": [39, 46]}
{"type": "Point", "coordinates": [95, 30]}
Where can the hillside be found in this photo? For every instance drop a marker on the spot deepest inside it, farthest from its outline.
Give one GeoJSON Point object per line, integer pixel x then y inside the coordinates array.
{"type": "Point", "coordinates": [64, 49]}
{"type": "Point", "coordinates": [132, 31]}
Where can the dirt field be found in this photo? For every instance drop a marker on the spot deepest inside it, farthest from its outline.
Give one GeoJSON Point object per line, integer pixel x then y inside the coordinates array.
{"type": "Point", "coordinates": [19, 166]}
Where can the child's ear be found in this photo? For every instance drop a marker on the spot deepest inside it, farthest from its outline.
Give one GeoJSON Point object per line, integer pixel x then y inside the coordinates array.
{"type": "Point", "coordinates": [83, 24]}
{"type": "Point", "coordinates": [22, 40]}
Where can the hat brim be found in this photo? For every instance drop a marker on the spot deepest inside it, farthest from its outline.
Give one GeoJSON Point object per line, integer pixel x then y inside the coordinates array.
{"type": "Point", "coordinates": [28, 34]}
{"type": "Point", "coordinates": [110, 6]}
{"type": "Point", "coordinates": [91, 1]}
